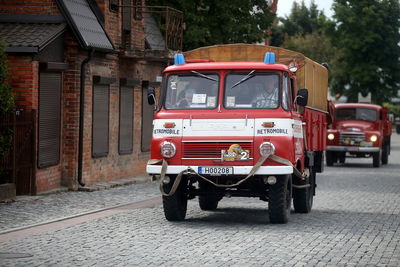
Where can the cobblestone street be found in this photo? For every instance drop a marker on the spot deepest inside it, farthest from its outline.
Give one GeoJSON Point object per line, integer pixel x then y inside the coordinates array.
{"type": "Point", "coordinates": [355, 221]}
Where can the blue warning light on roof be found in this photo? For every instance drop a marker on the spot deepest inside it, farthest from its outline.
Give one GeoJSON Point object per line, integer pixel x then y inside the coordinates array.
{"type": "Point", "coordinates": [269, 58]}
{"type": "Point", "coordinates": [179, 59]}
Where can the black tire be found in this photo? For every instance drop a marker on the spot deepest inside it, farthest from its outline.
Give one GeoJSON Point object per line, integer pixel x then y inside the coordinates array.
{"type": "Point", "coordinates": [385, 154]}
{"type": "Point", "coordinates": [175, 206]}
{"type": "Point", "coordinates": [330, 158]}
{"type": "Point", "coordinates": [342, 157]}
{"type": "Point", "coordinates": [376, 159]}
{"type": "Point", "coordinates": [209, 201]}
{"type": "Point", "coordinates": [280, 199]}
{"type": "Point", "coordinates": [303, 197]}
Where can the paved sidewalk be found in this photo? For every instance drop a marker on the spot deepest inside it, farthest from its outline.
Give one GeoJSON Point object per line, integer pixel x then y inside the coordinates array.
{"type": "Point", "coordinates": [30, 210]}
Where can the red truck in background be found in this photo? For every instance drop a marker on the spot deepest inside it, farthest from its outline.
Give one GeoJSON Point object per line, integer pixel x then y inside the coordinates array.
{"type": "Point", "coordinates": [214, 136]}
{"type": "Point", "coordinates": [358, 130]}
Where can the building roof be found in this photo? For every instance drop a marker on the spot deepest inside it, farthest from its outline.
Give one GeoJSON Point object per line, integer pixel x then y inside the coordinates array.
{"type": "Point", "coordinates": [29, 37]}
{"type": "Point", "coordinates": [86, 25]}
{"type": "Point", "coordinates": [154, 38]}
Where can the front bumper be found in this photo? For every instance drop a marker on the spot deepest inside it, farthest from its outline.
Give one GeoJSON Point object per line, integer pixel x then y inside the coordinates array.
{"type": "Point", "coordinates": [237, 170]}
{"type": "Point", "coordinates": [352, 149]}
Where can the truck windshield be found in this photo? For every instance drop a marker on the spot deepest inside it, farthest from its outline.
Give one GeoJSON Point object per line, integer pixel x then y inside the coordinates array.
{"type": "Point", "coordinates": [192, 91]}
{"type": "Point", "coordinates": [364, 114]}
{"type": "Point", "coordinates": [258, 90]}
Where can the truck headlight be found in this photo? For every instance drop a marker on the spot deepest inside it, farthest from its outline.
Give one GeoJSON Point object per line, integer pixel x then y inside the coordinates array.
{"type": "Point", "coordinates": [267, 148]}
{"type": "Point", "coordinates": [373, 138]}
{"type": "Point", "coordinates": [168, 149]}
{"type": "Point", "coordinates": [331, 136]}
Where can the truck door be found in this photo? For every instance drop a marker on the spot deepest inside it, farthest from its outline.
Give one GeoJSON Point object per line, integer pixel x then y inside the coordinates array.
{"type": "Point", "coordinates": [298, 141]}
{"type": "Point", "coordinates": [331, 116]}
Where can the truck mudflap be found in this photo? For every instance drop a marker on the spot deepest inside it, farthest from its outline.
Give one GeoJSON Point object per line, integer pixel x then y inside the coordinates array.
{"type": "Point", "coordinates": [189, 170]}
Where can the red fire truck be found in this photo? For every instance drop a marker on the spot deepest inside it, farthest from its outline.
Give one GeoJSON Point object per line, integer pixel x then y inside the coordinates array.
{"type": "Point", "coordinates": [232, 122]}
{"type": "Point", "coordinates": [358, 130]}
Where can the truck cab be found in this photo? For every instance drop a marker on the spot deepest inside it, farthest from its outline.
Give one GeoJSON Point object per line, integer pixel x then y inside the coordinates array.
{"type": "Point", "coordinates": [358, 130]}
{"type": "Point", "coordinates": [227, 129]}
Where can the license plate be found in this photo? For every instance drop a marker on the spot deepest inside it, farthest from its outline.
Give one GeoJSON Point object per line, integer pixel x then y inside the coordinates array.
{"type": "Point", "coordinates": [218, 170]}
{"type": "Point", "coordinates": [352, 148]}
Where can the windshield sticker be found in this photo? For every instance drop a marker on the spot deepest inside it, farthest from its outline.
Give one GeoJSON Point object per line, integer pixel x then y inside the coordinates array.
{"type": "Point", "coordinates": [173, 85]}
{"type": "Point", "coordinates": [199, 98]}
{"type": "Point", "coordinates": [230, 101]}
{"type": "Point", "coordinates": [211, 101]}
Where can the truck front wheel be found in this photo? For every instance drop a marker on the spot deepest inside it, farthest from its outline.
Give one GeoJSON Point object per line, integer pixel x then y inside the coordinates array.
{"type": "Point", "coordinates": [303, 197]}
{"type": "Point", "coordinates": [385, 154]}
{"type": "Point", "coordinates": [175, 206]}
{"type": "Point", "coordinates": [330, 158]}
{"type": "Point", "coordinates": [280, 198]}
{"type": "Point", "coordinates": [376, 159]}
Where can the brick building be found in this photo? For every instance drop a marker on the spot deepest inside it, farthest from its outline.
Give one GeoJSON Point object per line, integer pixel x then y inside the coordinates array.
{"type": "Point", "coordinates": [84, 67]}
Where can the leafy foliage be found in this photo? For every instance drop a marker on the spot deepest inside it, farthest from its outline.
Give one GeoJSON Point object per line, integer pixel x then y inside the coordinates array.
{"type": "Point", "coordinates": [209, 22]}
{"type": "Point", "coordinates": [6, 103]}
{"type": "Point", "coordinates": [368, 36]}
{"type": "Point", "coordinates": [301, 21]}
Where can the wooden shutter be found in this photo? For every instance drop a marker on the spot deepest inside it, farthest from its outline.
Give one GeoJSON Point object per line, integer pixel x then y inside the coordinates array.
{"type": "Point", "coordinates": [100, 120]}
{"type": "Point", "coordinates": [49, 119]}
{"type": "Point", "coordinates": [126, 120]}
{"type": "Point", "coordinates": [147, 120]}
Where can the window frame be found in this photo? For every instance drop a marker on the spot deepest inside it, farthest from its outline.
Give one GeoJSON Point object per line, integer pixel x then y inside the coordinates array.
{"type": "Point", "coordinates": [132, 118]}
{"type": "Point", "coordinates": [105, 153]}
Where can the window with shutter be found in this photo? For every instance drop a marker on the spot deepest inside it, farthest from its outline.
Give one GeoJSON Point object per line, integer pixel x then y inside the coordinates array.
{"type": "Point", "coordinates": [126, 120]}
{"type": "Point", "coordinates": [147, 120]}
{"type": "Point", "coordinates": [49, 119]}
{"type": "Point", "coordinates": [100, 120]}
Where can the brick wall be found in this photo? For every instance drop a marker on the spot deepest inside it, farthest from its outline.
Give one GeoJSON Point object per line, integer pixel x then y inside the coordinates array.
{"type": "Point", "coordinates": [24, 80]}
{"type": "Point", "coordinates": [29, 7]}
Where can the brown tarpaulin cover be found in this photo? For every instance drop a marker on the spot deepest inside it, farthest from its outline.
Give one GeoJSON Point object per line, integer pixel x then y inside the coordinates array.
{"type": "Point", "coordinates": [310, 74]}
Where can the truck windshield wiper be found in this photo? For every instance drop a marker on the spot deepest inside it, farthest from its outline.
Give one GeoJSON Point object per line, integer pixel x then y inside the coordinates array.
{"type": "Point", "coordinates": [203, 75]}
{"type": "Point", "coordinates": [248, 76]}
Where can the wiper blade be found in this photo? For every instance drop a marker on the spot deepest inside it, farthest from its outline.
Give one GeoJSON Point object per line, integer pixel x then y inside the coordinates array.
{"type": "Point", "coordinates": [248, 76]}
{"type": "Point", "coordinates": [203, 76]}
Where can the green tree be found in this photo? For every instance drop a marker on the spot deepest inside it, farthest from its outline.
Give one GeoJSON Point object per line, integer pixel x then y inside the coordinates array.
{"type": "Point", "coordinates": [209, 22]}
{"type": "Point", "coordinates": [316, 46]}
{"type": "Point", "coordinates": [301, 21]}
{"type": "Point", "coordinates": [6, 103]}
{"type": "Point", "coordinates": [368, 37]}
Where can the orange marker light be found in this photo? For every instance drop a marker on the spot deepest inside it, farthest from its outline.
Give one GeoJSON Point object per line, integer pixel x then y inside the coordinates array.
{"type": "Point", "coordinates": [169, 125]}
{"type": "Point", "coordinates": [268, 124]}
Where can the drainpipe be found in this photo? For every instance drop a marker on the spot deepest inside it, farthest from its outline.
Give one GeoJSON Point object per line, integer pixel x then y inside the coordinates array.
{"type": "Point", "coordinates": [81, 115]}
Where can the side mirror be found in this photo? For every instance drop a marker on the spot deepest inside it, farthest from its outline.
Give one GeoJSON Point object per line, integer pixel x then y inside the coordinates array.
{"type": "Point", "coordinates": [302, 97]}
{"type": "Point", "coordinates": [151, 96]}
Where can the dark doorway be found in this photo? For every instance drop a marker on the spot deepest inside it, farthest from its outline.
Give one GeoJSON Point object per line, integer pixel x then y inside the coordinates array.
{"type": "Point", "coordinates": [18, 167]}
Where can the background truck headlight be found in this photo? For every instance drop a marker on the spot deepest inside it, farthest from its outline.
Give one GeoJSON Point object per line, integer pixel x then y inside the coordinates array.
{"type": "Point", "coordinates": [168, 149]}
{"type": "Point", "coordinates": [331, 136]}
{"type": "Point", "coordinates": [373, 138]}
{"type": "Point", "coordinates": [266, 148]}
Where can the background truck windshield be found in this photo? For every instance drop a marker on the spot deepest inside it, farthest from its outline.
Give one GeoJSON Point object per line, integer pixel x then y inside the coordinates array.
{"type": "Point", "coordinates": [197, 91]}
{"type": "Point", "coordinates": [246, 90]}
{"type": "Point", "coordinates": [364, 114]}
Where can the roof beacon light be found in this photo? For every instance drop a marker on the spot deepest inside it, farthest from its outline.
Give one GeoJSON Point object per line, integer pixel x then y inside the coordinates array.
{"type": "Point", "coordinates": [269, 58]}
{"type": "Point", "coordinates": [179, 59]}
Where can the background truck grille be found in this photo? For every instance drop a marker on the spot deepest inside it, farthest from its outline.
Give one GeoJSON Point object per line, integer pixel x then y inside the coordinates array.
{"type": "Point", "coordinates": [211, 149]}
{"type": "Point", "coordinates": [351, 138]}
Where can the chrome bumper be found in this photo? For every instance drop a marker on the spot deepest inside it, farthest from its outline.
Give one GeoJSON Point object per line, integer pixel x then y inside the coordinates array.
{"type": "Point", "coordinates": [352, 149]}
{"type": "Point", "coordinates": [237, 170]}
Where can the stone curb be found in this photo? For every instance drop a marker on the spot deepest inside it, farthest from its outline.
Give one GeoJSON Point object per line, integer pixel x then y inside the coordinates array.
{"type": "Point", "coordinates": [112, 184]}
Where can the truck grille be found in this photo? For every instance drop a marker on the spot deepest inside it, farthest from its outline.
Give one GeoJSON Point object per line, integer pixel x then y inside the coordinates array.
{"type": "Point", "coordinates": [353, 139]}
{"type": "Point", "coordinates": [211, 150]}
